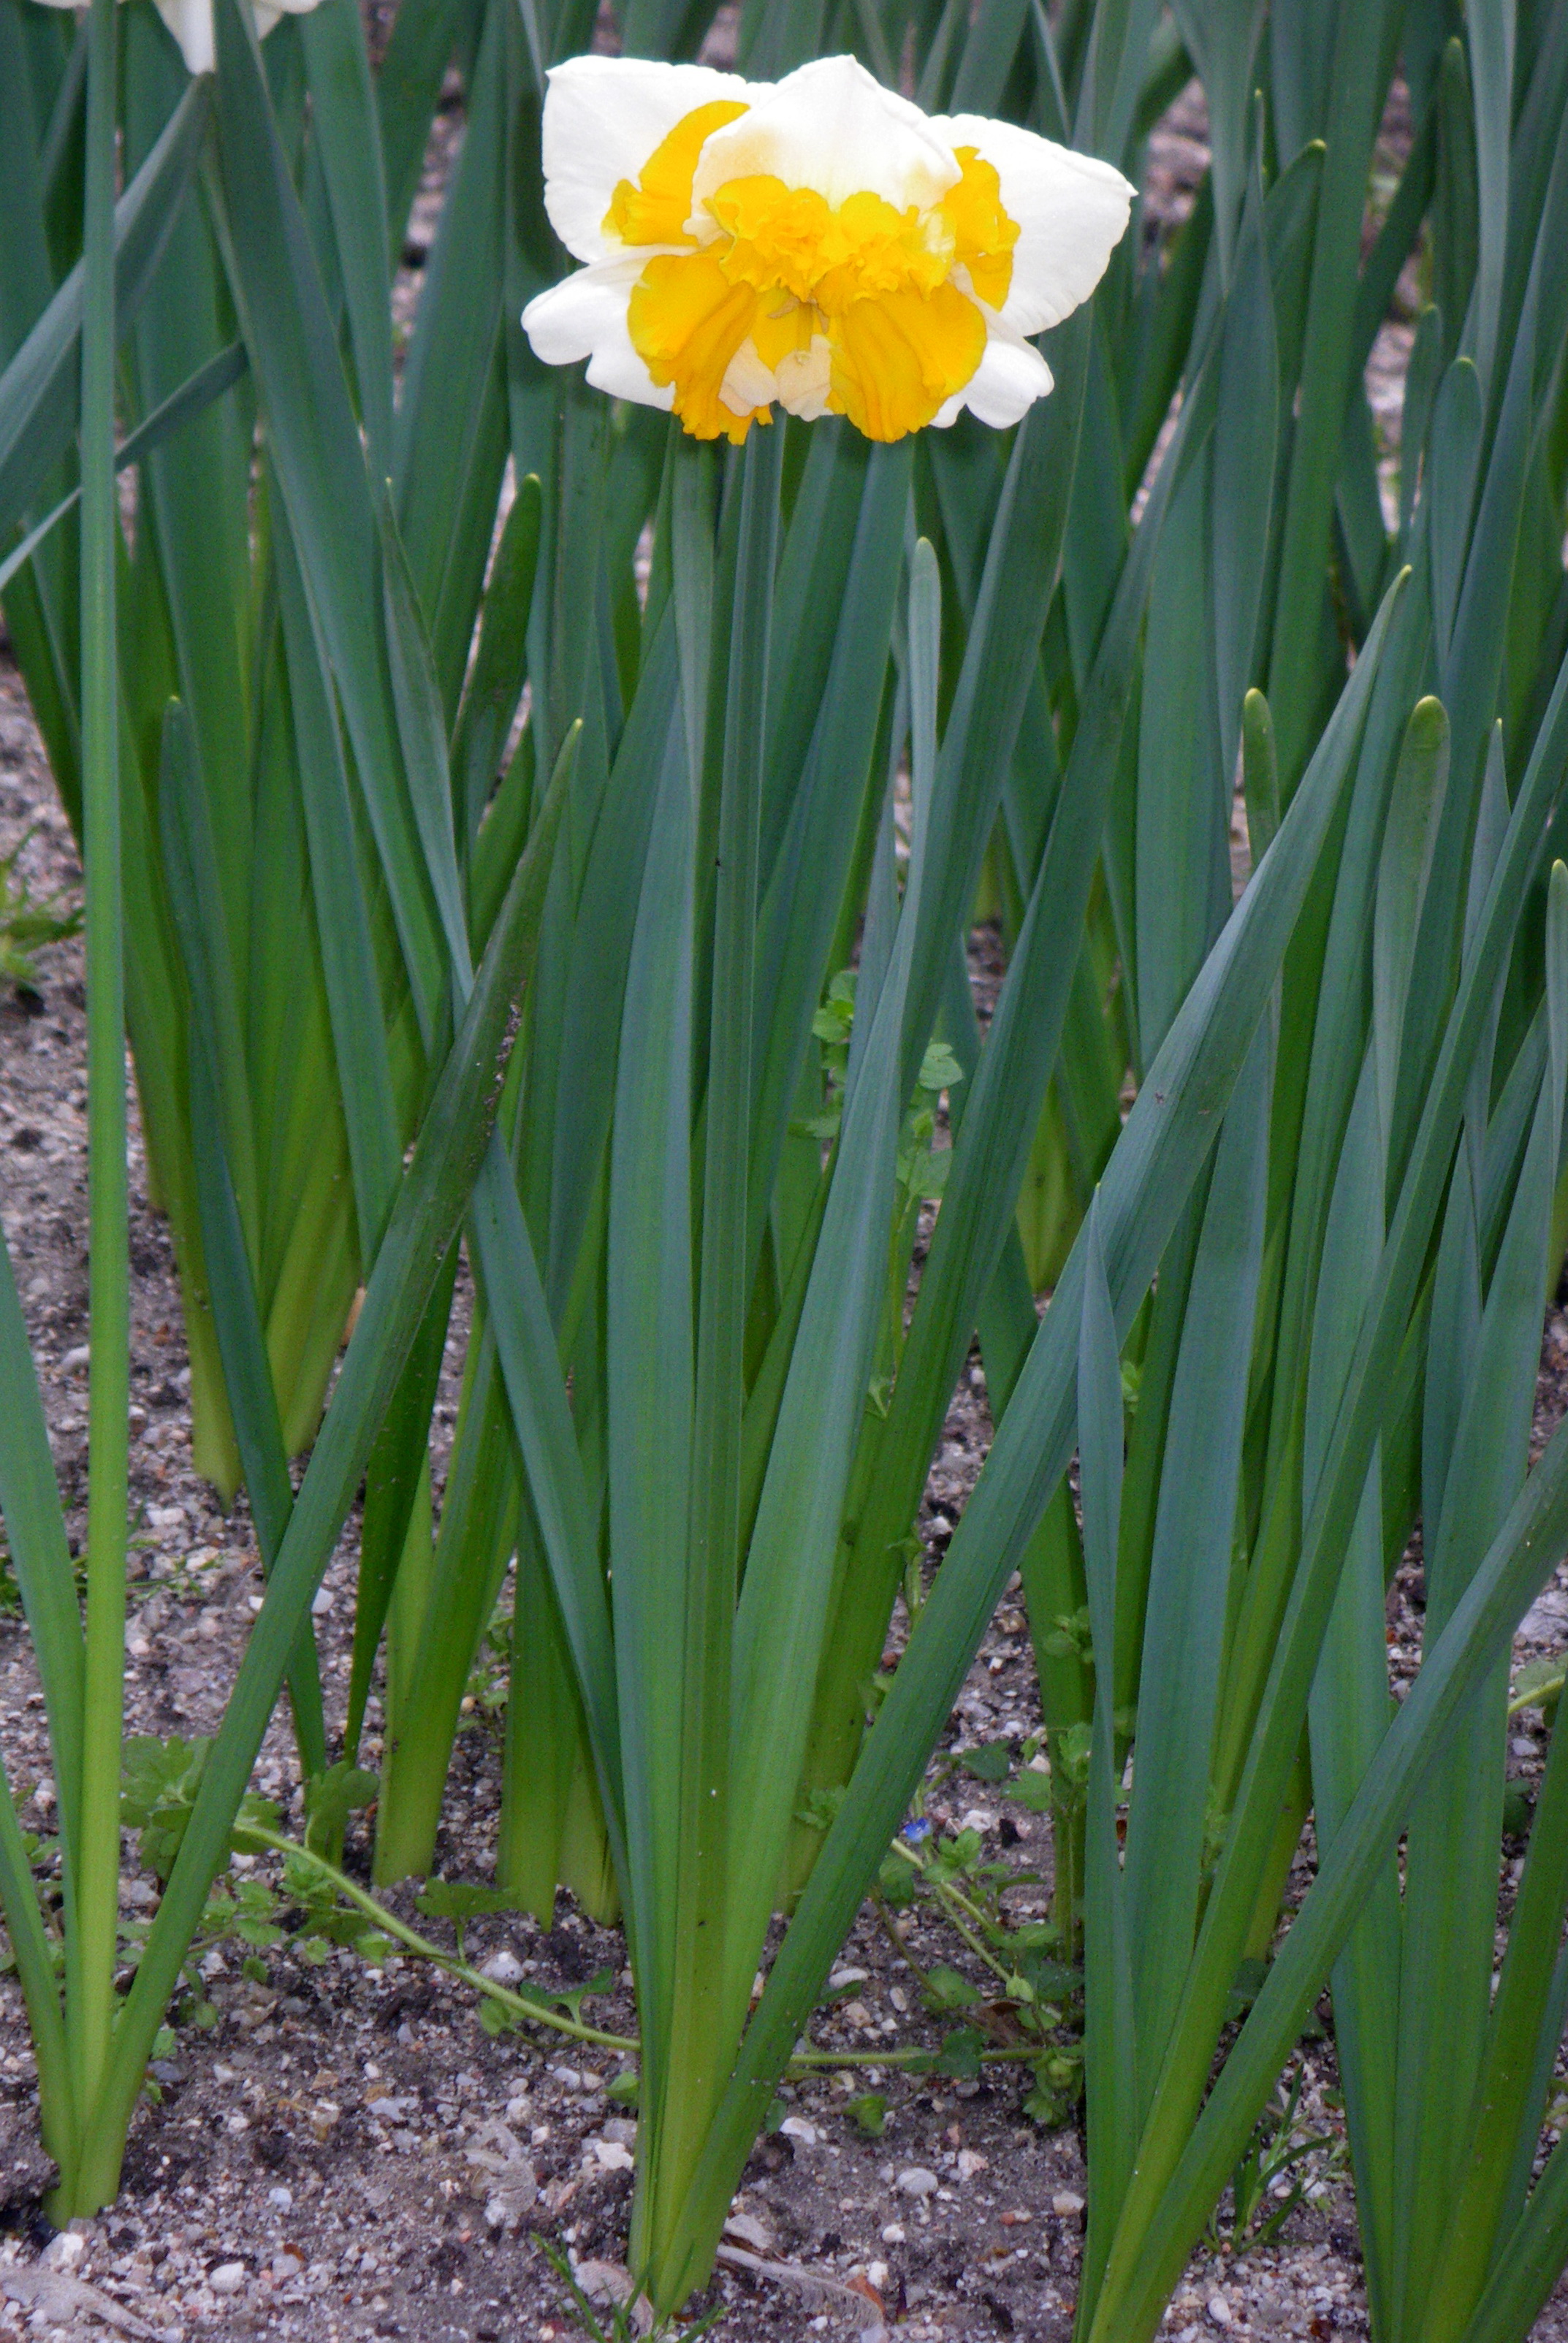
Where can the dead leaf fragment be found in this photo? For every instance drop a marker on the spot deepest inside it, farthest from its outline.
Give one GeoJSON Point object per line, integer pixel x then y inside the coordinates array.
{"type": "Point", "coordinates": [68, 2299]}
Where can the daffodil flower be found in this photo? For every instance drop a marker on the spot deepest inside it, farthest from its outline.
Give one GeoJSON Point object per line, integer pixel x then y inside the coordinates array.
{"type": "Point", "coordinates": [190, 22]}
{"type": "Point", "coordinates": [817, 242]}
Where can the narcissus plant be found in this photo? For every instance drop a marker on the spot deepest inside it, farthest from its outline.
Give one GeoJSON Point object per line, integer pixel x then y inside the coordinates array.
{"type": "Point", "coordinates": [817, 242]}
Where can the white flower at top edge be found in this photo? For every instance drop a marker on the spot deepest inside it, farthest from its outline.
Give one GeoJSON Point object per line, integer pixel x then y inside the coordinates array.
{"type": "Point", "coordinates": [190, 22]}
{"type": "Point", "coordinates": [815, 242]}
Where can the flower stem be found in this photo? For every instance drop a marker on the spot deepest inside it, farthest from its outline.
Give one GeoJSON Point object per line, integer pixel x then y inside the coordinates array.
{"type": "Point", "coordinates": [95, 1892]}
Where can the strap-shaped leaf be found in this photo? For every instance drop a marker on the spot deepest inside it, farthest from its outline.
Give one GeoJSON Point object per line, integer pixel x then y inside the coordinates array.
{"type": "Point", "coordinates": [219, 1126]}
{"type": "Point", "coordinates": [1163, 1146]}
{"type": "Point", "coordinates": [38, 389]}
{"type": "Point", "coordinates": [40, 1554]}
{"type": "Point", "coordinates": [319, 465]}
{"type": "Point", "coordinates": [430, 1205]}
{"type": "Point", "coordinates": [197, 392]}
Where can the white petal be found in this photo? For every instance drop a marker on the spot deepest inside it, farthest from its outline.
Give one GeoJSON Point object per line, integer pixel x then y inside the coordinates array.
{"type": "Point", "coordinates": [603, 118]}
{"type": "Point", "coordinates": [1071, 210]}
{"type": "Point", "coordinates": [748, 383]}
{"type": "Point", "coordinates": [1011, 375]}
{"type": "Point", "coordinates": [806, 379]}
{"type": "Point", "coordinates": [584, 317]}
{"type": "Point", "coordinates": [832, 127]}
{"type": "Point", "coordinates": [190, 22]}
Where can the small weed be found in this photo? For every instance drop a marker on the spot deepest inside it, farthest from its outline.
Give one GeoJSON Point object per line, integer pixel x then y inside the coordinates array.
{"type": "Point", "coordinates": [1274, 2175]}
{"type": "Point", "coordinates": [632, 2318]}
{"type": "Point", "coordinates": [28, 924]}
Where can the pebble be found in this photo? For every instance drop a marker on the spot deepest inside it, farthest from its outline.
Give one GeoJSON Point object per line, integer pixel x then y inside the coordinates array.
{"type": "Point", "coordinates": [282, 2199]}
{"type": "Point", "coordinates": [1065, 2203]}
{"type": "Point", "coordinates": [969, 2163]}
{"type": "Point", "coordinates": [893, 2235]}
{"type": "Point", "coordinates": [228, 2277]}
{"type": "Point", "coordinates": [286, 2265]}
{"type": "Point", "coordinates": [796, 2128]}
{"type": "Point", "coordinates": [917, 2182]}
{"type": "Point", "coordinates": [64, 2252]}
{"type": "Point", "coordinates": [1219, 2311]}
{"type": "Point", "coordinates": [502, 1968]}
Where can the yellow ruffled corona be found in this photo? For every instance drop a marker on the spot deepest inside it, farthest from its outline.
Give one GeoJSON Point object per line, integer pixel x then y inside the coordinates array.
{"type": "Point", "coordinates": [817, 244]}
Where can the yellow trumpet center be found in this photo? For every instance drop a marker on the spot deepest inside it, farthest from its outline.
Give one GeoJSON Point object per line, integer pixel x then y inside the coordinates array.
{"type": "Point", "coordinates": [861, 308]}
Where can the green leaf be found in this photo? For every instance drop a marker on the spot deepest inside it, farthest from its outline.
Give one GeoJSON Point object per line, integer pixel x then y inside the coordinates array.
{"type": "Point", "coordinates": [38, 389]}
{"type": "Point", "coordinates": [1163, 1147]}
{"type": "Point", "coordinates": [331, 1798]}
{"type": "Point", "coordinates": [430, 1205]}
{"type": "Point", "coordinates": [462, 1899]}
{"type": "Point", "coordinates": [960, 2054]}
{"type": "Point", "coordinates": [946, 1989]}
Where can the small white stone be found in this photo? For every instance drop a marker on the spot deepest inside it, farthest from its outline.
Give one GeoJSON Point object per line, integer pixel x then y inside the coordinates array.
{"type": "Point", "coordinates": [228, 2277]}
{"type": "Point", "coordinates": [282, 2199]}
{"type": "Point", "coordinates": [969, 2163]}
{"type": "Point", "coordinates": [978, 1819]}
{"type": "Point", "coordinates": [917, 2182]}
{"type": "Point", "coordinates": [502, 1968]}
{"type": "Point", "coordinates": [796, 2128]}
{"type": "Point", "coordinates": [1065, 2203]}
{"type": "Point", "coordinates": [64, 2252]}
{"type": "Point", "coordinates": [1219, 2311]}
{"type": "Point", "coordinates": [841, 1977]}
{"type": "Point", "coordinates": [876, 2273]}
{"type": "Point", "coordinates": [893, 2235]}
{"type": "Point", "coordinates": [613, 2157]}
{"type": "Point", "coordinates": [286, 2265]}
{"type": "Point", "coordinates": [321, 1602]}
